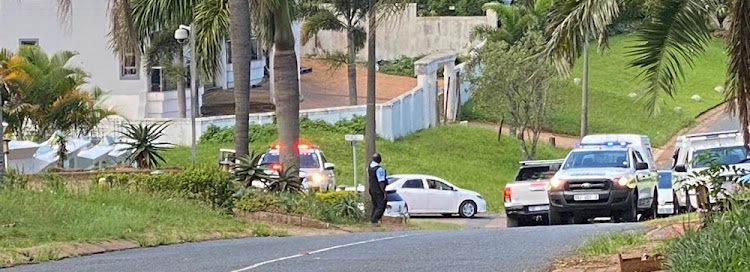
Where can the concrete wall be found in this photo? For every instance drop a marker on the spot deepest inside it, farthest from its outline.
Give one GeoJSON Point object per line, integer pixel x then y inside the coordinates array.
{"type": "Point", "coordinates": [407, 35]}
{"type": "Point", "coordinates": [85, 33]}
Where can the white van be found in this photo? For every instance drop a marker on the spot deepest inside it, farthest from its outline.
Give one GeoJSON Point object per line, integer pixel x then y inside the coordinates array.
{"type": "Point", "coordinates": [641, 143]}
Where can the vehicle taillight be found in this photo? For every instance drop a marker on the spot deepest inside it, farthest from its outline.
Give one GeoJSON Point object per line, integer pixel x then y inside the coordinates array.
{"type": "Point", "coordinates": [506, 194]}
{"type": "Point", "coordinates": [276, 167]}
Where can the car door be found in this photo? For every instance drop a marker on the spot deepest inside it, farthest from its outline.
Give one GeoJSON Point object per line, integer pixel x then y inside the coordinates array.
{"type": "Point", "coordinates": [645, 180]}
{"type": "Point", "coordinates": [415, 194]}
{"type": "Point", "coordinates": [442, 197]}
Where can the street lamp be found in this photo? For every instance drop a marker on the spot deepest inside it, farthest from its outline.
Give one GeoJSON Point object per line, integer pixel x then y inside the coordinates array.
{"type": "Point", "coordinates": [181, 34]}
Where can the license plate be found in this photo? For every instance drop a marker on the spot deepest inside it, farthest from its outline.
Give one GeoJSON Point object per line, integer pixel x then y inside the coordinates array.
{"type": "Point", "coordinates": [585, 197]}
{"type": "Point", "coordinates": [666, 210]}
{"type": "Point", "coordinates": [539, 208]}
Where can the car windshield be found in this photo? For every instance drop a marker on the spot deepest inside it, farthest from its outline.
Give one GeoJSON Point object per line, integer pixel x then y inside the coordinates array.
{"type": "Point", "coordinates": [721, 155]}
{"type": "Point", "coordinates": [597, 159]}
{"type": "Point", "coordinates": [535, 173]}
{"type": "Point", "coordinates": [306, 159]}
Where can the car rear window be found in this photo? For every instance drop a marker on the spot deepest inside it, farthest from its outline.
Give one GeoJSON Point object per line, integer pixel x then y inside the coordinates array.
{"type": "Point", "coordinates": [393, 196]}
{"type": "Point", "coordinates": [665, 180]}
{"type": "Point", "coordinates": [534, 173]}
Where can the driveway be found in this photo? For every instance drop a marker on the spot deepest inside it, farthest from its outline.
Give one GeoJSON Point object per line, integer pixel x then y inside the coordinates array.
{"type": "Point", "coordinates": [488, 249]}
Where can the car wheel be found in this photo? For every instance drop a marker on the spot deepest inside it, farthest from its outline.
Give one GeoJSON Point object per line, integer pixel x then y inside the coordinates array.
{"type": "Point", "coordinates": [555, 218]}
{"type": "Point", "coordinates": [467, 209]}
{"type": "Point", "coordinates": [631, 213]}
{"type": "Point", "coordinates": [512, 222]}
{"type": "Point", "coordinates": [447, 215]}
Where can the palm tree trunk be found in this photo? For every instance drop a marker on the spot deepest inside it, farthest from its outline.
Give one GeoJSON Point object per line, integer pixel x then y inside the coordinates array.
{"type": "Point", "coordinates": [239, 21]}
{"type": "Point", "coordinates": [287, 87]}
{"type": "Point", "coordinates": [181, 102]}
{"type": "Point", "coordinates": [585, 89]}
{"type": "Point", "coordinates": [370, 123]}
{"type": "Point", "coordinates": [352, 68]}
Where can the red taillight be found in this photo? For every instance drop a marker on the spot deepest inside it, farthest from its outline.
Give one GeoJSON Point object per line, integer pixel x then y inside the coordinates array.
{"type": "Point", "coordinates": [506, 194]}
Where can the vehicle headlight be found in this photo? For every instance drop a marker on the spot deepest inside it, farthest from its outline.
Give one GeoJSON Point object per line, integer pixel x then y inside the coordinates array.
{"type": "Point", "coordinates": [317, 178]}
{"type": "Point", "coordinates": [556, 182]}
{"type": "Point", "coordinates": [624, 181]}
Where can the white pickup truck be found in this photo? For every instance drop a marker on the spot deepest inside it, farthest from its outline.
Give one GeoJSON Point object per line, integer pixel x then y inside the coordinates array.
{"type": "Point", "coordinates": [526, 200]}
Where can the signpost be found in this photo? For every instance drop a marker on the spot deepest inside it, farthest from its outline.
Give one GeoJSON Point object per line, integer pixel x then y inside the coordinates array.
{"type": "Point", "coordinates": [354, 139]}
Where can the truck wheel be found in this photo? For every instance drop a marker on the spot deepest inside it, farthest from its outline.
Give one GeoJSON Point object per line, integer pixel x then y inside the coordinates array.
{"type": "Point", "coordinates": [631, 213]}
{"type": "Point", "coordinates": [555, 218]}
{"type": "Point", "coordinates": [512, 222]}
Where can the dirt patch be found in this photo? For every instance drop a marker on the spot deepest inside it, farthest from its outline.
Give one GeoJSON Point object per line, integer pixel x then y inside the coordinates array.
{"type": "Point", "coordinates": [561, 140]}
{"type": "Point", "coordinates": [321, 88]}
{"type": "Point", "coordinates": [655, 237]}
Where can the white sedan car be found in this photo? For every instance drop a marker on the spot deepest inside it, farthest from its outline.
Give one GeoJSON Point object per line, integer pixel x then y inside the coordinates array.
{"type": "Point", "coordinates": [431, 195]}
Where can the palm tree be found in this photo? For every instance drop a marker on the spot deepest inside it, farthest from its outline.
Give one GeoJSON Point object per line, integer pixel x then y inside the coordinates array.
{"type": "Point", "coordinates": [572, 24]}
{"type": "Point", "coordinates": [239, 17]}
{"type": "Point", "coordinates": [327, 18]}
{"type": "Point", "coordinates": [514, 20]}
{"type": "Point", "coordinates": [10, 74]}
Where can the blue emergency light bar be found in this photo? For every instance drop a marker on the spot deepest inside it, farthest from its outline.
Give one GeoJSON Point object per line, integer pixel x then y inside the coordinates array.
{"type": "Point", "coordinates": [607, 144]}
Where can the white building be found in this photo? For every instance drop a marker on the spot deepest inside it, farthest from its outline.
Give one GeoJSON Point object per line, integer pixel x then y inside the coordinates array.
{"type": "Point", "coordinates": [133, 92]}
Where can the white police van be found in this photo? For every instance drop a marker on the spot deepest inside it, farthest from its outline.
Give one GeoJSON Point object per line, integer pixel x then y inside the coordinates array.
{"type": "Point", "coordinates": [610, 175]}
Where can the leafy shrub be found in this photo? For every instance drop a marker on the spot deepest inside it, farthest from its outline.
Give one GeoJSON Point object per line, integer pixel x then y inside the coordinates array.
{"type": "Point", "coordinates": [206, 184]}
{"type": "Point", "coordinates": [267, 133]}
{"type": "Point", "coordinates": [14, 180]}
{"type": "Point", "coordinates": [404, 66]}
{"type": "Point", "coordinates": [338, 207]}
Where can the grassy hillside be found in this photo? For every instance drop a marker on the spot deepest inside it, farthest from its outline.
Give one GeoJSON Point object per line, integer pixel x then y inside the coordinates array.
{"type": "Point", "coordinates": [471, 158]}
{"type": "Point", "coordinates": [610, 108]}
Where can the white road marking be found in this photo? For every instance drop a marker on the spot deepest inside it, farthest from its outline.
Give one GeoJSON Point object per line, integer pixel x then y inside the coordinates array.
{"type": "Point", "coordinates": [319, 251]}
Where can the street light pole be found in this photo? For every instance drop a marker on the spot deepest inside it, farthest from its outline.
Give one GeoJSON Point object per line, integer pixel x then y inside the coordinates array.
{"type": "Point", "coordinates": [193, 91]}
{"type": "Point", "coordinates": [180, 34]}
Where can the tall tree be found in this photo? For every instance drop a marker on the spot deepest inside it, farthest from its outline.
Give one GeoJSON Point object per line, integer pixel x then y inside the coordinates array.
{"type": "Point", "coordinates": [327, 18]}
{"type": "Point", "coordinates": [572, 25]}
{"type": "Point", "coordinates": [239, 21]}
{"type": "Point", "coordinates": [514, 20]}
{"type": "Point", "coordinates": [10, 74]}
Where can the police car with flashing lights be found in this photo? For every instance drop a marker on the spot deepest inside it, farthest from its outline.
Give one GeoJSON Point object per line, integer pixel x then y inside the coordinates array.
{"type": "Point", "coordinates": [611, 175]}
{"type": "Point", "coordinates": [315, 170]}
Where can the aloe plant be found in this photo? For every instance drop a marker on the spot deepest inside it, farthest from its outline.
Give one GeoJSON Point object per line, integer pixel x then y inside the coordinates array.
{"type": "Point", "coordinates": [144, 146]}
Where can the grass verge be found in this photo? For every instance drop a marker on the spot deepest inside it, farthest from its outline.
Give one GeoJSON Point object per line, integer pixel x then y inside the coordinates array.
{"type": "Point", "coordinates": [46, 220]}
{"type": "Point", "coordinates": [471, 158]}
{"type": "Point", "coordinates": [611, 243]}
{"type": "Point", "coordinates": [611, 82]}
{"type": "Point", "coordinates": [424, 224]}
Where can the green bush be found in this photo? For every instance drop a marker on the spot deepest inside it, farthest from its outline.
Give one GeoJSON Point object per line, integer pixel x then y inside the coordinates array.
{"type": "Point", "coordinates": [723, 245]}
{"type": "Point", "coordinates": [209, 185]}
{"type": "Point", "coordinates": [267, 133]}
{"type": "Point", "coordinates": [404, 66]}
{"type": "Point", "coordinates": [338, 207]}
{"type": "Point", "coordinates": [14, 180]}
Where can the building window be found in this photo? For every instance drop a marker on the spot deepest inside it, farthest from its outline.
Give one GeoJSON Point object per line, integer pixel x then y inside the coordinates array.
{"type": "Point", "coordinates": [129, 67]}
{"type": "Point", "coordinates": [28, 42]}
{"type": "Point", "coordinates": [229, 52]}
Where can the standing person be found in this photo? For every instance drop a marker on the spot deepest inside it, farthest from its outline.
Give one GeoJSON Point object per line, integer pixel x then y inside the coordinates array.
{"type": "Point", "coordinates": [376, 177]}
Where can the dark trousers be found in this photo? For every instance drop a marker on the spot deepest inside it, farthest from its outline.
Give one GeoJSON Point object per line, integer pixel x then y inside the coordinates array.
{"type": "Point", "coordinates": [378, 206]}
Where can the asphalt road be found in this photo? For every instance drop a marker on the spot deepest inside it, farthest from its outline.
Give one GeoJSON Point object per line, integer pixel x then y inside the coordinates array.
{"type": "Point", "coordinates": [727, 122]}
{"type": "Point", "coordinates": [516, 249]}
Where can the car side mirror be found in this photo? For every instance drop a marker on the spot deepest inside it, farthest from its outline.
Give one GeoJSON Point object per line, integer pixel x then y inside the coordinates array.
{"type": "Point", "coordinates": [329, 166]}
{"type": "Point", "coordinates": [641, 166]}
{"type": "Point", "coordinates": [680, 168]}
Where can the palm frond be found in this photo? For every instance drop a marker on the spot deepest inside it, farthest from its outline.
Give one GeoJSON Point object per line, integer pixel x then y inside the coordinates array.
{"type": "Point", "coordinates": [212, 29]}
{"type": "Point", "coordinates": [123, 38]}
{"type": "Point", "coordinates": [359, 37]}
{"type": "Point", "coordinates": [322, 20]}
{"type": "Point", "coordinates": [674, 33]}
{"type": "Point", "coordinates": [571, 23]}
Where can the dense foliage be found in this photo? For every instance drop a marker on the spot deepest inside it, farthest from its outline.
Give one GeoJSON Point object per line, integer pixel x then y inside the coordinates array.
{"type": "Point", "coordinates": [267, 133]}
{"type": "Point", "coordinates": [450, 7]}
{"type": "Point", "coordinates": [336, 207]}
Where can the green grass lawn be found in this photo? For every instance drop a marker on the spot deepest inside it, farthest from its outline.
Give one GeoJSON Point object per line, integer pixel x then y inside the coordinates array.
{"type": "Point", "coordinates": [471, 158]}
{"type": "Point", "coordinates": [611, 243]}
{"type": "Point", "coordinates": [32, 218]}
{"type": "Point", "coordinates": [610, 108]}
